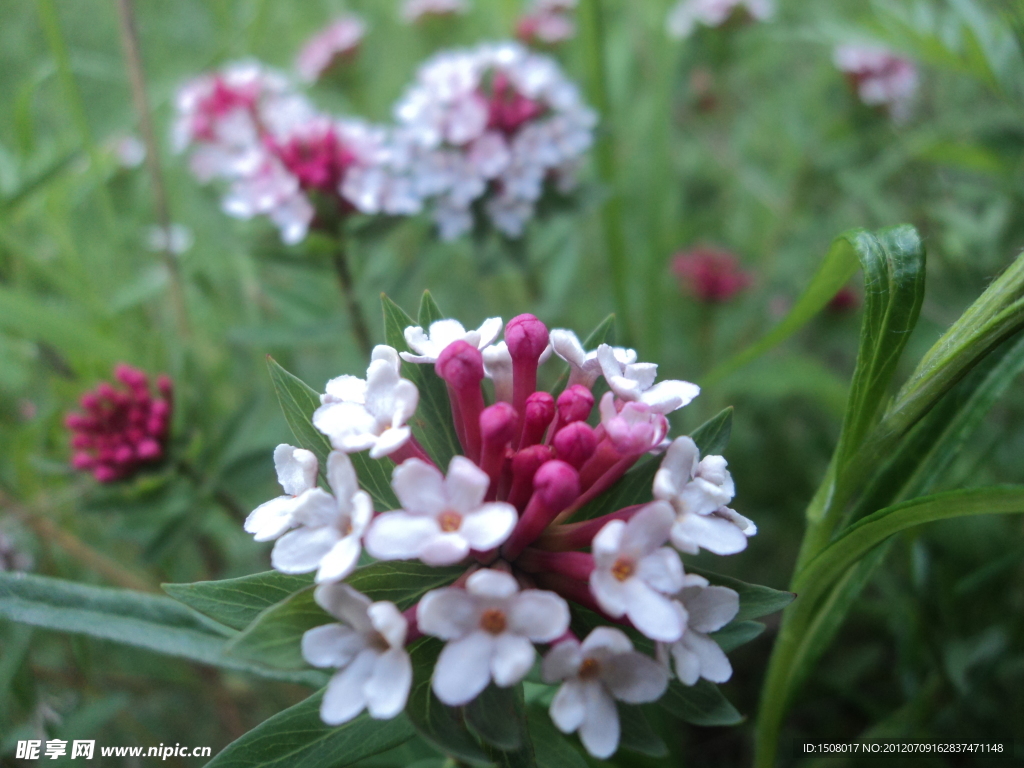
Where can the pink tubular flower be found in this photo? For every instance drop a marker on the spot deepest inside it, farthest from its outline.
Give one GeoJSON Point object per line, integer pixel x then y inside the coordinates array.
{"type": "Point", "coordinates": [879, 77]}
{"type": "Point", "coordinates": [339, 40]}
{"type": "Point", "coordinates": [711, 275]}
{"type": "Point", "coordinates": [524, 509]}
{"type": "Point", "coordinates": [122, 428]}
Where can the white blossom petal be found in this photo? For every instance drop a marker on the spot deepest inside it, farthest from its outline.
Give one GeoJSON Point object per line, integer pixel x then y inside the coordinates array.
{"type": "Point", "coordinates": [296, 469]}
{"type": "Point", "coordinates": [463, 669]}
{"type": "Point", "coordinates": [600, 729]}
{"type": "Point", "coordinates": [512, 658]}
{"type": "Point", "coordinates": [331, 645]}
{"type": "Point", "coordinates": [568, 708]}
{"type": "Point", "coordinates": [387, 690]}
{"type": "Point", "coordinates": [539, 615]}
{"type": "Point", "coordinates": [345, 696]}
{"type": "Point", "coordinates": [399, 535]}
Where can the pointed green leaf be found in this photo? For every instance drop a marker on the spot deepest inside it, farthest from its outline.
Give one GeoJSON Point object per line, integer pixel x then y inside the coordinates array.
{"type": "Point", "coordinates": [299, 401]}
{"type": "Point", "coordinates": [403, 582]}
{"type": "Point", "coordinates": [637, 734]}
{"type": "Point", "coordinates": [432, 423]}
{"type": "Point", "coordinates": [551, 748]}
{"type": "Point", "coordinates": [700, 704]}
{"type": "Point", "coordinates": [737, 633]}
{"type": "Point", "coordinates": [496, 717]}
{"type": "Point", "coordinates": [275, 636]}
{"type": "Point", "coordinates": [237, 602]}
{"type": "Point", "coordinates": [712, 437]}
{"type": "Point", "coordinates": [755, 599]}
{"type": "Point", "coordinates": [298, 738]}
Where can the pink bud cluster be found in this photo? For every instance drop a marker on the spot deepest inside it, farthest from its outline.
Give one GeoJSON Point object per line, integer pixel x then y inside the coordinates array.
{"type": "Point", "coordinates": [547, 22]}
{"type": "Point", "coordinates": [711, 275]}
{"type": "Point", "coordinates": [122, 427]}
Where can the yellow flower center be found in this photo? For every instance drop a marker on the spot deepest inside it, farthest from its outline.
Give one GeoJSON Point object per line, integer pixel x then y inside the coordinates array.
{"type": "Point", "coordinates": [449, 521]}
{"type": "Point", "coordinates": [623, 568]}
{"type": "Point", "coordinates": [493, 621]}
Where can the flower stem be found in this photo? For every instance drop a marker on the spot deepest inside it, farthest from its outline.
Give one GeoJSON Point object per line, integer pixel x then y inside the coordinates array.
{"type": "Point", "coordinates": [562, 538]}
{"type": "Point", "coordinates": [360, 330]}
{"type": "Point", "coordinates": [137, 80]}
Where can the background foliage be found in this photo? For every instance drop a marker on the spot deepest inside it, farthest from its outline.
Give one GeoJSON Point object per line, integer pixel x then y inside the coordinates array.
{"type": "Point", "coordinates": [785, 160]}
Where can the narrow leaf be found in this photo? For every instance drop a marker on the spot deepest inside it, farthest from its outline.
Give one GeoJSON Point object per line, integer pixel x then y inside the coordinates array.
{"type": "Point", "coordinates": [496, 716]}
{"type": "Point", "coordinates": [737, 633]}
{"type": "Point", "coordinates": [755, 599]}
{"type": "Point", "coordinates": [637, 734]}
{"type": "Point", "coordinates": [700, 704]}
{"type": "Point", "coordinates": [237, 602]}
{"type": "Point", "coordinates": [551, 747]}
{"type": "Point", "coordinates": [403, 582]}
{"type": "Point", "coordinates": [275, 636]}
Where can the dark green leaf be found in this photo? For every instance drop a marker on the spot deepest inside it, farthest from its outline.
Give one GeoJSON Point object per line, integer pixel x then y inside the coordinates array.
{"type": "Point", "coordinates": [237, 602]}
{"type": "Point", "coordinates": [299, 401]}
{"type": "Point", "coordinates": [551, 748]}
{"type": "Point", "coordinates": [441, 725]}
{"type": "Point", "coordinates": [737, 633]}
{"type": "Point", "coordinates": [403, 582]}
{"type": "Point", "coordinates": [712, 437]}
{"type": "Point", "coordinates": [755, 599]}
{"type": "Point", "coordinates": [636, 733]}
{"type": "Point", "coordinates": [122, 616]}
{"type": "Point", "coordinates": [275, 637]}
{"type": "Point", "coordinates": [700, 704]}
{"type": "Point", "coordinates": [297, 738]}
{"type": "Point", "coordinates": [496, 717]}
{"type": "Point", "coordinates": [432, 423]}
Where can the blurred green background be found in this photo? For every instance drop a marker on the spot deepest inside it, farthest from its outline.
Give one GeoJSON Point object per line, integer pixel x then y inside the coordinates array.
{"type": "Point", "coordinates": [780, 159]}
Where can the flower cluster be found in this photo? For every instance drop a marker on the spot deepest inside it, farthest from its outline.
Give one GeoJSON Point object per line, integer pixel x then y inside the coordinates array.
{"type": "Point", "coordinates": [531, 460]}
{"type": "Point", "coordinates": [493, 125]}
{"type": "Point", "coordinates": [547, 22]}
{"type": "Point", "coordinates": [413, 11]}
{"type": "Point", "coordinates": [685, 15]}
{"type": "Point", "coordinates": [123, 428]}
{"type": "Point", "coordinates": [879, 77]}
{"type": "Point", "coordinates": [338, 40]}
{"type": "Point", "coordinates": [711, 275]}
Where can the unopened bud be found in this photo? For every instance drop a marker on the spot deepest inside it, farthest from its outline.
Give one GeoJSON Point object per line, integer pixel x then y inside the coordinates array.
{"type": "Point", "coordinates": [575, 443]}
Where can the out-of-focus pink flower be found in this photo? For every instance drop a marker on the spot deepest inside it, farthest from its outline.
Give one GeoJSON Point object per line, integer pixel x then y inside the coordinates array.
{"type": "Point", "coordinates": [339, 40]}
{"type": "Point", "coordinates": [712, 275]}
{"type": "Point", "coordinates": [547, 23]}
{"type": "Point", "coordinates": [416, 10]}
{"type": "Point", "coordinates": [686, 15]}
{"type": "Point", "coordinates": [845, 300]}
{"type": "Point", "coordinates": [879, 77]}
{"type": "Point", "coordinates": [122, 427]}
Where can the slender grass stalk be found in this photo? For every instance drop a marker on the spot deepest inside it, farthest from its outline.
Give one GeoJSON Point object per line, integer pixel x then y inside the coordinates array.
{"type": "Point", "coordinates": [76, 105]}
{"type": "Point", "coordinates": [592, 24]}
{"type": "Point", "coordinates": [360, 330]}
{"type": "Point", "coordinates": [137, 79]}
{"type": "Point", "coordinates": [227, 502]}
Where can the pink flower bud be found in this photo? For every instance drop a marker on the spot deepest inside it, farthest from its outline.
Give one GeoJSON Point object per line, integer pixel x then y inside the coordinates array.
{"type": "Point", "coordinates": [498, 423]}
{"type": "Point", "coordinates": [165, 386]}
{"type": "Point", "coordinates": [148, 449]}
{"type": "Point", "coordinates": [82, 461]}
{"type": "Point", "coordinates": [556, 484]}
{"type": "Point", "coordinates": [526, 336]}
{"type": "Point", "coordinates": [540, 410]}
{"type": "Point", "coordinates": [461, 365]}
{"type": "Point", "coordinates": [575, 443]}
{"type": "Point", "coordinates": [89, 401]}
{"type": "Point", "coordinates": [575, 404]}
{"type": "Point", "coordinates": [524, 465]}
{"type": "Point", "coordinates": [105, 474]}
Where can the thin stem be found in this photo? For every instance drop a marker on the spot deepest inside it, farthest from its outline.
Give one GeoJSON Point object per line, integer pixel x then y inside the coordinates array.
{"type": "Point", "coordinates": [227, 502]}
{"type": "Point", "coordinates": [137, 80]}
{"type": "Point", "coordinates": [360, 330]}
{"type": "Point", "coordinates": [592, 24]}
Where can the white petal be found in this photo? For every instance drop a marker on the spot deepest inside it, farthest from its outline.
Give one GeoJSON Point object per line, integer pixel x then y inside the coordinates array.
{"type": "Point", "coordinates": [600, 729]}
{"type": "Point", "coordinates": [610, 366]}
{"type": "Point", "coordinates": [669, 395]}
{"type": "Point", "coordinates": [511, 660]}
{"type": "Point", "coordinates": [712, 608]}
{"type": "Point", "coordinates": [489, 526]}
{"type": "Point", "coordinates": [608, 639]}
{"type": "Point", "coordinates": [301, 550]}
{"type": "Point", "coordinates": [340, 561]}
{"type": "Point", "coordinates": [488, 331]}
{"type": "Point", "coordinates": [387, 690]}
{"type": "Point", "coordinates": [562, 661]}
{"type": "Point", "coordinates": [390, 440]}
{"type": "Point", "coordinates": [711, 532]}
{"type": "Point", "coordinates": [341, 475]}
{"type": "Point", "coordinates": [271, 518]}
{"type": "Point", "coordinates": [389, 622]}
{"type": "Point", "coordinates": [346, 388]}
{"type": "Point", "coordinates": [744, 524]}
{"type": "Point", "coordinates": [491, 583]}
{"type": "Point", "coordinates": [464, 668]}
{"type": "Point", "coordinates": [315, 508]}
{"type": "Point", "coordinates": [677, 468]}
{"type": "Point", "coordinates": [344, 602]}
{"type": "Point", "coordinates": [609, 539]}
{"type": "Point", "coordinates": [465, 485]}
{"type": "Point", "coordinates": [648, 529]}
{"type": "Point", "coordinates": [634, 678]}
{"type": "Point", "coordinates": [331, 645]}
{"type": "Point", "coordinates": [399, 535]}
{"type": "Point", "coordinates": [539, 615]}
{"type": "Point", "coordinates": [566, 345]}
{"type": "Point", "coordinates": [662, 569]}
{"type": "Point", "coordinates": [612, 595]}
{"type": "Point", "coordinates": [569, 707]}
{"type": "Point", "coordinates": [652, 613]}
{"type": "Point", "coordinates": [390, 354]}
{"type": "Point", "coordinates": [447, 613]}
{"type": "Point", "coordinates": [345, 696]}
{"type": "Point", "coordinates": [350, 427]}
{"type": "Point", "coordinates": [687, 663]}
{"type": "Point", "coordinates": [420, 487]}
{"type": "Point", "coordinates": [714, 664]}
{"type": "Point", "coordinates": [296, 469]}
{"type": "Point", "coordinates": [443, 549]}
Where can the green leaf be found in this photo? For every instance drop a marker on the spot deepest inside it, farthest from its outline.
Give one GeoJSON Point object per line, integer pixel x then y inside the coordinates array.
{"type": "Point", "coordinates": [275, 637]}
{"type": "Point", "coordinates": [700, 704]}
{"type": "Point", "coordinates": [298, 738]}
{"type": "Point", "coordinates": [755, 599]}
{"type": "Point", "coordinates": [635, 486]}
{"type": "Point", "coordinates": [432, 423]}
{"type": "Point", "coordinates": [403, 582]}
{"type": "Point", "coordinates": [496, 717]}
{"type": "Point", "coordinates": [150, 622]}
{"type": "Point", "coordinates": [429, 311]}
{"type": "Point", "coordinates": [737, 633]}
{"type": "Point", "coordinates": [636, 733]}
{"type": "Point", "coordinates": [551, 748]}
{"type": "Point", "coordinates": [439, 724]}
{"type": "Point", "coordinates": [299, 401]}
{"type": "Point", "coordinates": [237, 602]}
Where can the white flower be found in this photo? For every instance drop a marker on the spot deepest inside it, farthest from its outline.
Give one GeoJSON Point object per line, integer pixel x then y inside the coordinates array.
{"type": "Point", "coordinates": [328, 538]}
{"type": "Point", "coordinates": [296, 472]}
{"type": "Point", "coordinates": [604, 668]}
{"type": "Point", "coordinates": [357, 418]}
{"type": "Point", "coordinates": [686, 14]}
{"type": "Point", "coordinates": [882, 78]}
{"type": "Point", "coordinates": [633, 572]}
{"type": "Point", "coordinates": [340, 37]}
{"type": "Point", "coordinates": [708, 609]}
{"type": "Point", "coordinates": [368, 649]}
{"type": "Point", "coordinates": [490, 627]}
{"type": "Point", "coordinates": [352, 389]}
{"type": "Point", "coordinates": [268, 189]}
{"type": "Point", "coordinates": [584, 367]}
{"type": "Point", "coordinates": [428, 345]}
{"type": "Point", "coordinates": [441, 519]}
{"type": "Point", "coordinates": [414, 10]}
{"type": "Point", "coordinates": [698, 492]}
{"type": "Point", "coordinates": [635, 382]}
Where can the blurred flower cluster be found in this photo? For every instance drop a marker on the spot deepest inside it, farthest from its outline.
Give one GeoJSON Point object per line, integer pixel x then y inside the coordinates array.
{"type": "Point", "coordinates": [530, 461]}
{"type": "Point", "coordinates": [879, 77]}
{"type": "Point", "coordinates": [686, 15]}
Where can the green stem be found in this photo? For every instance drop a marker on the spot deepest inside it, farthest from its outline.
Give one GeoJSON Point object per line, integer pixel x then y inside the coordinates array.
{"type": "Point", "coordinates": [360, 330]}
{"type": "Point", "coordinates": [592, 24]}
